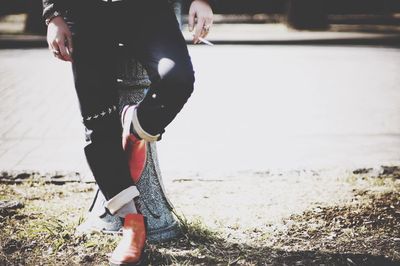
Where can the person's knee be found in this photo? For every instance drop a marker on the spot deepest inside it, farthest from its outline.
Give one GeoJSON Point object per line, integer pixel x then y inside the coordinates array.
{"type": "Point", "coordinates": [181, 84]}
{"type": "Point", "coordinates": [185, 78]}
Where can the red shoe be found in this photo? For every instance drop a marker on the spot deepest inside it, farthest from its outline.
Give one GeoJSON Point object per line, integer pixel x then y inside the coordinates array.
{"type": "Point", "coordinates": [130, 249]}
{"type": "Point", "coordinates": [136, 149]}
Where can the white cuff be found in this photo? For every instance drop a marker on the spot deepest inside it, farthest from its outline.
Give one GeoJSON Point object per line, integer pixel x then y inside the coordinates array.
{"type": "Point", "coordinates": [139, 130]}
{"type": "Point", "coordinates": [122, 198]}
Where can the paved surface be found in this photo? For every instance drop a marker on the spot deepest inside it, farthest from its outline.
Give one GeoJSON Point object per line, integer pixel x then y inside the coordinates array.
{"type": "Point", "coordinates": [255, 108]}
{"type": "Point", "coordinates": [252, 34]}
{"type": "Point", "coordinates": [280, 33]}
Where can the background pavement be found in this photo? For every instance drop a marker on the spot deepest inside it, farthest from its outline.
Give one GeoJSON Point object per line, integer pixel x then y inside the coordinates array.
{"type": "Point", "coordinates": [255, 108]}
{"type": "Point", "coordinates": [244, 33]}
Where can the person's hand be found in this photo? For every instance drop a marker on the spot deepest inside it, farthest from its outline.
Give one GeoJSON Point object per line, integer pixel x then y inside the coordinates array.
{"type": "Point", "coordinates": [59, 38]}
{"type": "Point", "coordinates": [200, 10]}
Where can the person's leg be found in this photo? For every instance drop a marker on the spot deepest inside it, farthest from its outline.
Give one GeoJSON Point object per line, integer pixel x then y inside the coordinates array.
{"type": "Point", "coordinates": [94, 69]}
{"type": "Point", "coordinates": [95, 82]}
{"type": "Point", "coordinates": [157, 42]}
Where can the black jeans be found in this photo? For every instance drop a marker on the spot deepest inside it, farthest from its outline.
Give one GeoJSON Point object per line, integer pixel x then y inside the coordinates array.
{"type": "Point", "coordinates": [150, 31]}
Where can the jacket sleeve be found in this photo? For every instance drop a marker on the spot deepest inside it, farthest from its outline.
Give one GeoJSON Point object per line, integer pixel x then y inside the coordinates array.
{"type": "Point", "coordinates": [51, 6]}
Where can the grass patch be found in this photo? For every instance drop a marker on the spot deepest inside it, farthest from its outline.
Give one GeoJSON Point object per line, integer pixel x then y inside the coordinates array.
{"type": "Point", "coordinates": [363, 232]}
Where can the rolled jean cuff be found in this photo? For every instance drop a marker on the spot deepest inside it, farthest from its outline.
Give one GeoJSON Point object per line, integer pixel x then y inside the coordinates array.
{"type": "Point", "coordinates": [140, 131]}
{"type": "Point", "coordinates": [122, 198]}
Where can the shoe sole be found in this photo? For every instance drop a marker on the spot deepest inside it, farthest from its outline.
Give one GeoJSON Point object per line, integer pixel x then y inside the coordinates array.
{"type": "Point", "coordinates": [141, 262]}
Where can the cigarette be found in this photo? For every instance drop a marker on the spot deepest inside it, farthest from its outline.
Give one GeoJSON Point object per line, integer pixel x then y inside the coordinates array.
{"type": "Point", "coordinates": [205, 41]}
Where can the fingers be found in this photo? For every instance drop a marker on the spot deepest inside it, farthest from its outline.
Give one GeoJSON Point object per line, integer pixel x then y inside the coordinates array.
{"type": "Point", "coordinates": [191, 17]}
{"type": "Point", "coordinates": [56, 50]}
{"type": "Point", "coordinates": [59, 38]}
{"type": "Point", "coordinates": [200, 19]}
{"type": "Point", "coordinates": [63, 50]}
{"type": "Point", "coordinates": [69, 44]}
{"type": "Point", "coordinates": [198, 30]}
{"type": "Point", "coordinates": [206, 27]}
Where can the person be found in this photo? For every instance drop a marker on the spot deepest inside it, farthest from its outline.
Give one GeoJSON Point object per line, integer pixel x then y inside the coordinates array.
{"type": "Point", "coordinates": [88, 34]}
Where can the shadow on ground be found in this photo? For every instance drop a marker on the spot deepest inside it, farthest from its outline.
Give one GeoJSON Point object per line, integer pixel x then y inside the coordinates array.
{"type": "Point", "coordinates": [197, 249]}
{"type": "Point", "coordinates": [38, 220]}
{"type": "Point", "coordinates": [310, 239]}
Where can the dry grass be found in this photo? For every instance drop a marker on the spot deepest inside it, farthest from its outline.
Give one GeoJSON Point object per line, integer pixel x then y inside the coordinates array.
{"type": "Point", "coordinates": [361, 231]}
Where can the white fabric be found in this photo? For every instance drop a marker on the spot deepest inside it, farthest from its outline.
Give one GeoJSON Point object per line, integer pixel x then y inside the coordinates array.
{"type": "Point", "coordinates": [126, 209]}
{"type": "Point", "coordinates": [121, 199]}
{"type": "Point", "coordinates": [126, 120]}
{"type": "Point", "coordinates": [139, 130]}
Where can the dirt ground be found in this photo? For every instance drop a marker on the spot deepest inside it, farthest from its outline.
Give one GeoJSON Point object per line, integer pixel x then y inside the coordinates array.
{"type": "Point", "coordinates": [261, 218]}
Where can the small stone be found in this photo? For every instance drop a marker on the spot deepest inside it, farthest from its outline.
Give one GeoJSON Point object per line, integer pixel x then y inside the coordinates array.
{"type": "Point", "coordinates": [87, 258]}
{"type": "Point", "coordinates": [11, 246]}
{"type": "Point", "coordinates": [8, 207]}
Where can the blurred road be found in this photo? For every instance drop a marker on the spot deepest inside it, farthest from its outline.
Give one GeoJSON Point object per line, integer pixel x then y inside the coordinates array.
{"type": "Point", "coordinates": [255, 108]}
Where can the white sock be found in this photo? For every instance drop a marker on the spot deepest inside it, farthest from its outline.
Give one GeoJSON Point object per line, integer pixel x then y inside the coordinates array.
{"type": "Point", "coordinates": [129, 207]}
{"type": "Point", "coordinates": [123, 201]}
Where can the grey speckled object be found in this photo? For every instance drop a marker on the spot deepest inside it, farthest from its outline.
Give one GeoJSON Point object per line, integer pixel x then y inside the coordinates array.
{"type": "Point", "coordinates": [153, 203]}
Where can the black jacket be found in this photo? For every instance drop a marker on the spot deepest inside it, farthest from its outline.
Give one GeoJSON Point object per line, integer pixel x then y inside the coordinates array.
{"type": "Point", "coordinates": [50, 6]}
